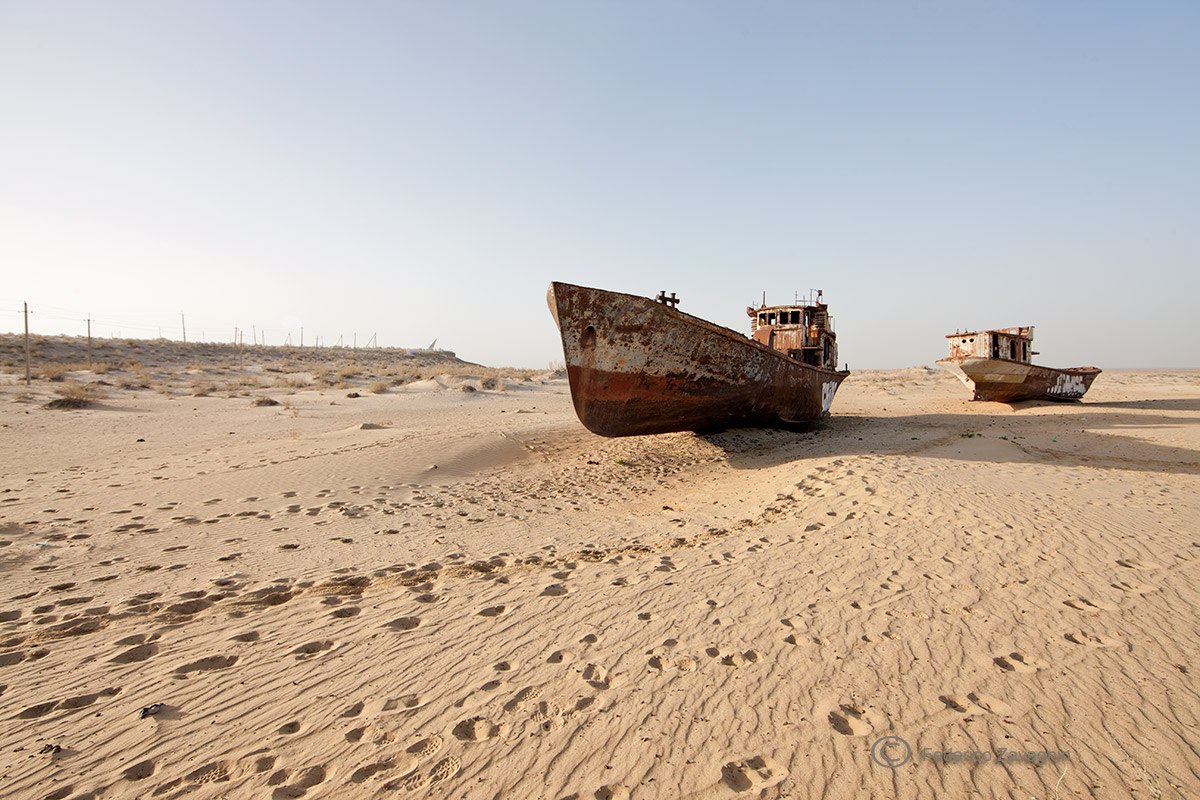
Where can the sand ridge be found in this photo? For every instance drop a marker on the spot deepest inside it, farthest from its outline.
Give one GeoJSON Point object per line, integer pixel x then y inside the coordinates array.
{"type": "Point", "coordinates": [441, 593]}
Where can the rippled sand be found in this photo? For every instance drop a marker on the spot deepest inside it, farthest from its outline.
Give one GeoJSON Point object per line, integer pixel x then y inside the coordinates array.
{"type": "Point", "coordinates": [437, 593]}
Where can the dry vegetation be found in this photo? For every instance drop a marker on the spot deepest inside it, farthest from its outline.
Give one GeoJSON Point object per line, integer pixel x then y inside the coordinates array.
{"type": "Point", "coordinates": [176, 369]}
{"type": "Point", "coordinates": [72, 394]}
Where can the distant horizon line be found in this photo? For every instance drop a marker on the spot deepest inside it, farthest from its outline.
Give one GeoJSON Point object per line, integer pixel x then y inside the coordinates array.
{"type": "Point", "coordinates": [225, 343]}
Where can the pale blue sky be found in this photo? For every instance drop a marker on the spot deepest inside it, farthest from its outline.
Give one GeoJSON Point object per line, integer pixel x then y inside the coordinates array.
{"type": "Point", "coordinates": [423, 170]}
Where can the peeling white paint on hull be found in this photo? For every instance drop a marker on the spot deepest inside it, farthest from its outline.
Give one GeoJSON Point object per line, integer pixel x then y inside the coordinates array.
{"type": "Point", "coordinates": [1010, 381]}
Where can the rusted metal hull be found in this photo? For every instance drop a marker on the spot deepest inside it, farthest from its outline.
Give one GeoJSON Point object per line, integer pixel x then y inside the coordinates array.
{"type": "Point", "coordinates": [638, 367]}
{"type": "Point", "coordinates": [1006, 381]}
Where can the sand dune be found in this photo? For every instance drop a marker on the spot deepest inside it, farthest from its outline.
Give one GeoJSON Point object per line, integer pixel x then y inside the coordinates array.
{"type": "Point", "coordinates": [448, 594]}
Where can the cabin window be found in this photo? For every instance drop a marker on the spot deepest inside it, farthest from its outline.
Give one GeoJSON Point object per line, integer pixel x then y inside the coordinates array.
{"type": "Point", "coordinates": [1012, 350]}
{"type": "Point", "coordinates": [771, 318]}
{"type": "Point", "coordinates": [964, 341]}
{"type": "Point", "coordinates": [795, 317]}
{"type": "Point", "coordinates": [1024, 351]}
{"type": "Point", "coordinates": [972, 338]}
{"type": "Point", "coordinates": [762, 319]}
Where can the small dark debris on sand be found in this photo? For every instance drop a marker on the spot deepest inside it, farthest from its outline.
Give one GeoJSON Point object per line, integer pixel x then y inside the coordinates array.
{"type": "Point", "coordinates": [266, 401]}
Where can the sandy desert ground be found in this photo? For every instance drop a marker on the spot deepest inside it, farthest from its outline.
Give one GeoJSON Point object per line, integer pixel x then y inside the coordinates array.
{"type": "Point", "coordinates": [436, 593]}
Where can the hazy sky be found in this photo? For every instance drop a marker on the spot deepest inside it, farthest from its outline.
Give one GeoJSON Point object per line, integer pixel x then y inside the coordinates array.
{"type": "Point", "coordinates": [424, 169]}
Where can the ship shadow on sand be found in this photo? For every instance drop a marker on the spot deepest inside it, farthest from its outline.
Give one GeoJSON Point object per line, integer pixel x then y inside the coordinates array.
{"type": "Point", "coordinates": [1096, 439]}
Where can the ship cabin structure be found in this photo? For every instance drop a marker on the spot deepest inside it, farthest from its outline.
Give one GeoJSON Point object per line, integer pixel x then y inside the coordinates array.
{"type": "Point", "coordinates": [1005, 344]}
{"type": "Point", "coordinates": [803, 331]}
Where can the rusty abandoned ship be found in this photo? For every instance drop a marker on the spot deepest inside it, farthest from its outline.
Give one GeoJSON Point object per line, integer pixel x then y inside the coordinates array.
{"type": "Point", "coordinates": [640, 366]}
{"type": "Point", "coordinates": [997, 365]}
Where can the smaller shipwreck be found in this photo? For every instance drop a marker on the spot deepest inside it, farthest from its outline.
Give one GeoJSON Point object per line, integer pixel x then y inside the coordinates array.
{"type": "Point", "coordinates": [997, 365]}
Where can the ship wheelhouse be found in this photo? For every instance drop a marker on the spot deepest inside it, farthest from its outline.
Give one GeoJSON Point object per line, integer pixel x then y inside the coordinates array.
{"type": "Point", "coordinates": [1005, 344]}
{"type": "Point", "coordinates": [803, 331]}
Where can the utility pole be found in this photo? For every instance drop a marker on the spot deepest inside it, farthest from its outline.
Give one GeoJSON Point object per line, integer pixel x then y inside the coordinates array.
{"type": "Point", "coordinates": [27, 344]}
{"type": "Point", "coordinates": [89, 323]}
{"type": "Point", "coordinates": [254, 334]}
{"type": "Point", "coordinates": [301, 336]}
{"type": "Point", "coordinates": [184, 321]}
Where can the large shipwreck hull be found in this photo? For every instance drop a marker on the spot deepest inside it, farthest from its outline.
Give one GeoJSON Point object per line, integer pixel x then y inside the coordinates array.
{"type": "Point", "coordinates": [1007, 381]}
{"type": "Point", "coordinates": [638, 367]}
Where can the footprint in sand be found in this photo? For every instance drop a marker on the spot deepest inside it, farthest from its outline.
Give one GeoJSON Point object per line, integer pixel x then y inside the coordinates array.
{"type": "Point", "coordinates": [1138, 563]}
{"type": "Point", "coordinates": [476, 729]}
{"type": "Point", "coordinates": [424, 748]}
{"type": "Point", "coordinates": [404, 623]}
{"type": "Point", "coordinates": [311, 649]}
{"type": "Point", "coordinates": [214, 772]}
{"type": "Point", "coordinates": [368, 771]}
{"type": "Point", "coordinates": [305, 780]}
{"type": "Point", "coordinates": [523, 696]}
{"type": "Point", "coordinates": [1135, 587]}
{"type": "Point", "coordinates": [1086, 605]}
{"type": "Point", "coordinates": [405, 702]}
{"type": "Point", "coordinates": [1014, 662]}
{"type": "Point", "coordinates": [1091, 639]}
{"type": "Point", "coordinates": [740, 659]}
{"type": "Point", "coordinates": [848, 721]}
{"type": "Point", "coordinates": [596, 676]}
{"type": "Point", "coordinates": [11, 657]}
{"type": "Point", "coordinates": [140, 771]}
{"type": "Point", "coordinates": [954, 703]}
{"type": "Point", "coordinates": [560, 657]}
{"type": "Point", "coordinates": [39, 710]}
{"type": "Point", "coordinates": [752, 775]}
{"type": "Point", "coordinates": [734, 659]}
{"type": "Point", "coordinates": [681, 663]}
{"type": "Point", "coordinates": [135, 654]}
{"type": "Point", "coordinates": [988, 703]}
{"type": "Point", "coordinates": [206, 664]}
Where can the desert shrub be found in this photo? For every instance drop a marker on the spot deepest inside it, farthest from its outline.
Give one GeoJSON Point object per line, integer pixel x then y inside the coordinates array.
{"type": "Point", "coordinates": [54, 372]}
{"type": "Point", "coordinates": [75, 395]}
{"type": "Point", "coordinates": [82, 391]}
{"type": "Point", "coordinates": [378, 387]}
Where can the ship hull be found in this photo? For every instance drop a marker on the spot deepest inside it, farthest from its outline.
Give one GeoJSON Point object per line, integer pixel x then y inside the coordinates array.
{"type": "Point", "coordinates": [1005, 381]}
{"type": "Point", "coordinates": [638, 367]}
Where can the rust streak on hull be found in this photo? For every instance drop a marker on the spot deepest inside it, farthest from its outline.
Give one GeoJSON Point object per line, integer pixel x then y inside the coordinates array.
{"type": "Point", "coordinates": [640, 367]}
